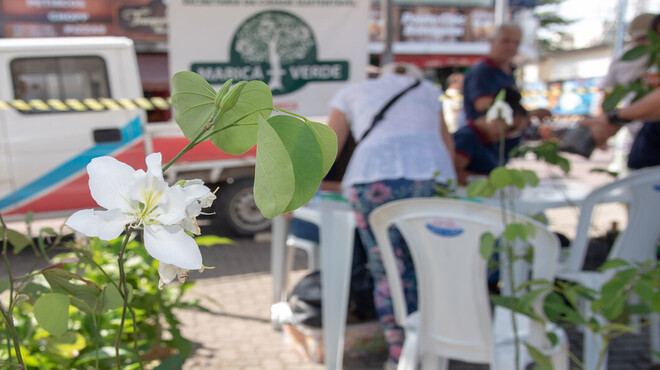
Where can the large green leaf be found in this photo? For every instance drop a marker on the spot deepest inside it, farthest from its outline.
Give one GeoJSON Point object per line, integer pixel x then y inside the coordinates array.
{"type": "Point", "coordinates": [256, 100]}
{"type": "Point", "coordinates": [85, 293]}
{"type": "Point", "coordinates": [16, 239]}
{"type": "Point", "coordinates": [193, 100]}
{"type": "Point", "coordinates": [52, 312]}
{"type": "Point", "coordinates": [328, 141]}
{"type": "Point", "coordinates": [274, 182]}
{"type": "Point", "coordinates": [306, 157]}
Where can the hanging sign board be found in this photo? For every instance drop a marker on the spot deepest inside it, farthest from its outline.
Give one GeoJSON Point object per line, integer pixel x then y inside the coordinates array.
{"type": "Point", "coordinates": [305, 50]}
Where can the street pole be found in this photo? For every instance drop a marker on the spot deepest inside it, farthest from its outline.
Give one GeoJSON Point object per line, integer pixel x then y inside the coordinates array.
{"type": "Point", "coordinates": [386, 56]}
{"type": "Point", "coordinates": [620, 26]}
{"type": "Point", "coordinates": [501, 11]}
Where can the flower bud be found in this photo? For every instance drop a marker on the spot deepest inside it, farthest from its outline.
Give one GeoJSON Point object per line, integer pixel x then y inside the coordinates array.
{"type": "Point", "coordinates": [230, 99]}
{"type": "Point", "coordinates": [222, 92]}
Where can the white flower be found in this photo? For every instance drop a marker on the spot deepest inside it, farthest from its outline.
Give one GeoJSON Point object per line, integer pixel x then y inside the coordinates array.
{"type": "Point", "coordinates": [143, 199]}
{"type": "Point", "coordinates": [500, 110]}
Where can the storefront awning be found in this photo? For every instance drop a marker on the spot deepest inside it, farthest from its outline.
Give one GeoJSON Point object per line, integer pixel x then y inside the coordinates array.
{"type": "Point", "coordinates": [438, 61]}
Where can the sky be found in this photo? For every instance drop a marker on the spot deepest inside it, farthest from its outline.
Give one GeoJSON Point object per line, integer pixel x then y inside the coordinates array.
{"type": "Point", "coordinates": [590, 14]}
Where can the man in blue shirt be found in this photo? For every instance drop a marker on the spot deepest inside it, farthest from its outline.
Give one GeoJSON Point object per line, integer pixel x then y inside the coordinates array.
{"type": "Point", "coordinates": [477, 144]}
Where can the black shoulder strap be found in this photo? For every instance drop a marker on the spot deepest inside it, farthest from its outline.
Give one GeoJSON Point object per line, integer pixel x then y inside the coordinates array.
{"type": "Point", "coordinates": [378, 117]}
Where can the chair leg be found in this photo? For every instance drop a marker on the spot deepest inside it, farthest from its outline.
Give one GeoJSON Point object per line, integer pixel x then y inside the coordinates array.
{"type": "Point", "coordinates": [433, 362]}
{"type": "Point", "coordinates": [592, 345]}
{"type": "Point", "coordinates": [560, 359]}
{"type": "Point", "coordinates": [409, 353]}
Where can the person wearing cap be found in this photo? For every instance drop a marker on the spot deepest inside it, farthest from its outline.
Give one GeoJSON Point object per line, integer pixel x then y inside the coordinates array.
{"type": "Point", "coordinates": [477, 144]}
{"type": "Point", "coordinates": [645, 150]}
{"type": "Point", "coordinates": [625, 72]}
{"type": "Point", "coordinates": [403, 150]}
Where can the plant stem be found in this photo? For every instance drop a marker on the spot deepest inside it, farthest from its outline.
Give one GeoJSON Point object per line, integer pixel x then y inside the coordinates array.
{"type": "Point", "coordinates": [8, 315]}
{"type": "Point", "coordinates": [190, 145]}
{"type": "Point", "coordinates": [9, 321]}
{"type": "Point", "coordinates": [291, 113]}
{"type": "Point", "coordinates": [209, 124]}
{"type": "Point", "coordinates": [124, 292]}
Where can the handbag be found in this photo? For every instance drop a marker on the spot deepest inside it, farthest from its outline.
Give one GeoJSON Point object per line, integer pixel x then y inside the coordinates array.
{"type": "Point", "coordinates": [338, 169]}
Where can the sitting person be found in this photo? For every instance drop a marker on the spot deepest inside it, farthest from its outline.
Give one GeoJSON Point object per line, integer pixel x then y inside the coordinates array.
{"type": "Point", "coordinates": [477, 145]}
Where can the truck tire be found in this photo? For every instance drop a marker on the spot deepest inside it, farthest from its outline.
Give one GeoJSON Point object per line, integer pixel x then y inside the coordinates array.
{"type": "Point", "coordinates": [236, 211]}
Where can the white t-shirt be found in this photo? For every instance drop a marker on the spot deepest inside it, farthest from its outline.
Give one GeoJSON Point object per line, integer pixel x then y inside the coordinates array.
{"type": "Point", "coordinates": [406, 143]}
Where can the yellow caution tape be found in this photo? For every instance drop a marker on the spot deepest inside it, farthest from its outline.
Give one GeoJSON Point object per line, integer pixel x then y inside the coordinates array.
{"type": "Point", "coordinates": [38, 105]}
{"type": "Point", "coordinates": [58, 105]}
{"type": "Point", "coordinates": [76, 104]}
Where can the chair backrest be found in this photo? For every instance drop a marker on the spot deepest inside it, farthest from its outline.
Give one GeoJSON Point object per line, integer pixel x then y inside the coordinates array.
{"type": "Point", "coordinates": [640, 190]}
{"type": "Point", "coordinates": [443, 236]}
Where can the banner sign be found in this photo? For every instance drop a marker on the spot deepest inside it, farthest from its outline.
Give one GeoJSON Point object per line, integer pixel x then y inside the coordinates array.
{"type": "Point", "coordinates": [141, 20]}
{"type": "Point", "coordinates": [305, 50]}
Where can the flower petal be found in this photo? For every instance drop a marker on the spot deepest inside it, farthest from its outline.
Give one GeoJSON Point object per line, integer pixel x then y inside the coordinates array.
{"type": "Point", "coordinates": [169, 272]}
{"type": "Point", "coordinates": [107, 225]}
{"type": "Point", "coordinates": [170, 244]}
{"type": "Point", "coordinates": [154, 165]}
{"type": "Point", "coordinates": [109, 181]}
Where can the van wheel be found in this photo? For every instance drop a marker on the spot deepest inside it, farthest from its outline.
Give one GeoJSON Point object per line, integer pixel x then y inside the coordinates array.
{"type": "Point", "coordinates": [236, 211]}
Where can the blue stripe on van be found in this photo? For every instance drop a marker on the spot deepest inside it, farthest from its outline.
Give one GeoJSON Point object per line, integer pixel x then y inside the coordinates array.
{"type": "Point", "coordinates": [129, 132]}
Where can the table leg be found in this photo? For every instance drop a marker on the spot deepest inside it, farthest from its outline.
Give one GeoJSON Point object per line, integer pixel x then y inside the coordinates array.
{"type": "Point", "coordinates": [337, 233]}
{"type": "Point", "coordinates": [278, 257]}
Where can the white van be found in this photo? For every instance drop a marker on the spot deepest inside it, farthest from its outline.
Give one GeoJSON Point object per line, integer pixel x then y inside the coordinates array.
{"type": "Point", "coordinates": [64, 101]}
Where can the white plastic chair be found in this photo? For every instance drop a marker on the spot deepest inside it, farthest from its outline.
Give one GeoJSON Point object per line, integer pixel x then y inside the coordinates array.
{"type": "Point", "coordinates": [640, 190]}
{"type": "Point", "coordinates": [310, 247]}
{"type": "Point", "coordinates": [454, 319]}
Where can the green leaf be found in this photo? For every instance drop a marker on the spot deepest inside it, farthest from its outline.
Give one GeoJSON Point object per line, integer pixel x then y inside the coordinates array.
{"type": "Point", "coordinates": [655, 302]}
{"type": "Point", "coordinates": [86, 293]}
{"type": "Point", "coordinates": [614, 307]}
{"type": "Point", "coordinates": [564, 164]}
{"type": "Point", "coordinates": [16, 239]}
{"type": "Point", "coordinates": [542, 362]}
{"type": "Point", "coordinates": [193, 101]}
{"type": "Point", "coordinates": [612, 100]}
{"type": "Point", "coordinates": [112, 298]}
{"type": "Point", "coordinates": [256, 101]}
{"type": "Point", "coordinates": [477, 188]}
{"type": "Point", "coordinates": [500, 177]}
{"type": "Point", "coordinates": [636, 52]}
{"type": "Point", "coordinates": [327, 139]}
{"type": "Point", "coordinates": [487, 245]}
{"type": "Point", "coordinates": [68, 344]}
{"type": "Point", "coordinates": [211, 240]}
{"type": "Point", "coordinates": [307, 159]}
{"type": "Point", "coordinates": [274, 179]}
{"type": "Point", "coordinates": [4, 285]}
{"type": "Point", "coordinates": [104, 353]}
{"type": "Point", "coordinates": [530, 177]}
{"type": "Point", "coordinates": [645, 290]}
{"type": "Point", "coordinates": [52, 312]}
{"type": "Point", "coordinates": [173, 362]}
{"type": "Point", "coordinates": [515, 230]}
{"type": "Point", "coordinates": [517, 179]}
{"type": "Point", "coordinates": [615, 263]}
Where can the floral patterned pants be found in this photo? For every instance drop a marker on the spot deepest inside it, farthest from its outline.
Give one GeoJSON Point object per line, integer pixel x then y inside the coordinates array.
{"type": "Point", "coordinates": [364, 198]}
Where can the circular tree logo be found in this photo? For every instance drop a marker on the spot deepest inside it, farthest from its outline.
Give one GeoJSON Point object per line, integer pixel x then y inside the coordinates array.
{"type": "Point", "coordinates": [278, 48]}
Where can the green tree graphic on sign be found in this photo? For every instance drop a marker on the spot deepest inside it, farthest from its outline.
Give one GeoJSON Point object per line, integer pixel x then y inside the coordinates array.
{"type": "Point", "coordinates": [275, 38]}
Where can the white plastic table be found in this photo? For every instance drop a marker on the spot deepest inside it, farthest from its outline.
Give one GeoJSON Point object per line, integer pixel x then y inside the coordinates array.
{"type": "Point", "coordinates": [336, 228]}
